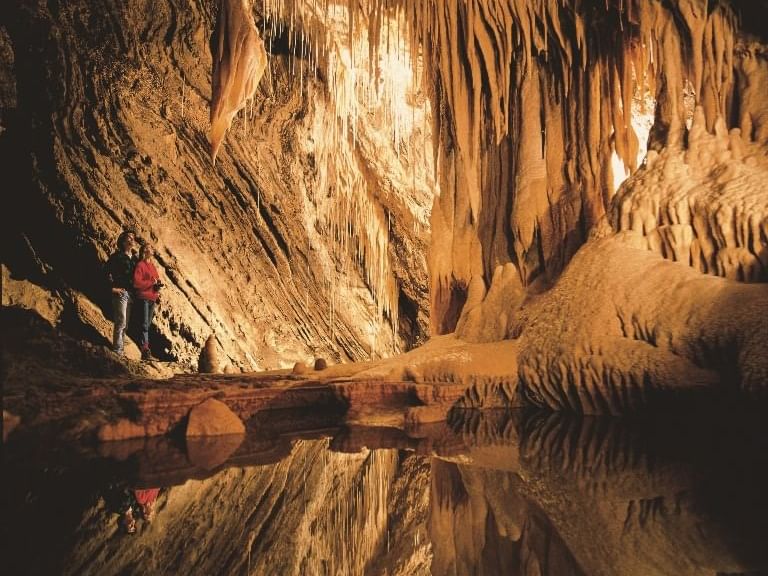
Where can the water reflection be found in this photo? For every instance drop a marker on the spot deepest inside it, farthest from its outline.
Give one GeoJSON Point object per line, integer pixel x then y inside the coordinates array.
{"type": "Point", "coordinates": [484, 493]}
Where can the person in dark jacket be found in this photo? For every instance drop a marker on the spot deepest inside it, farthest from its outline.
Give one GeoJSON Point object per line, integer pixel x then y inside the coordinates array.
{"type": "Point", "coordinates": [120, 268]}
{"type": "Point", "coordinates": [146, 283]}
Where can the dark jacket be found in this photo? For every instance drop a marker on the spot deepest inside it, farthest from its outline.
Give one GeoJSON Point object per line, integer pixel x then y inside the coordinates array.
{"type": "Point", "coordinates": [120, 267]}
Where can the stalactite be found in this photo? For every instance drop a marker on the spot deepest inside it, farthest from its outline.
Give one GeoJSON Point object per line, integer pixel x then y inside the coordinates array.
{"type": "Point", "coordinates": [343, 33]}
{"type": "Point", "coordinates": [239, 60]}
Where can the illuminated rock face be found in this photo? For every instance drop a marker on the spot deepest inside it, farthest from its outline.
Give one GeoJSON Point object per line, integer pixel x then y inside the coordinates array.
{"type": "Point", "coordinates": [525, 159]}
{"type": "Point", "coordinates": [532, 99]}
{"type": "Point", "coordinates": [106, 124]}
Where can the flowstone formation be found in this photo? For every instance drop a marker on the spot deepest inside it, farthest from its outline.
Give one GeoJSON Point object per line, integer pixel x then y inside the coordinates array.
{"type": "Point", "coordinates": [624, 329]}
{"type": "Point", "coordinates": [705, 205]}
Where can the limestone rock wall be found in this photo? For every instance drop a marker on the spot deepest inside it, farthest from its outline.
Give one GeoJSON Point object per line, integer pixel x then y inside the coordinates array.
{"type": "Point", "coordinates": [105, 117]}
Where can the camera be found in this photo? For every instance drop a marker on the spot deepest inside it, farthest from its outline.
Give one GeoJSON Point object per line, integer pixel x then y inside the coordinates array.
{"type": "Point", "coordinates": [156, 287]}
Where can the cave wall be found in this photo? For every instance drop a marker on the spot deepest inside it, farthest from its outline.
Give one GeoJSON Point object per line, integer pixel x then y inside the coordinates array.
{"type": "Point", "coordinates": [105, 116]}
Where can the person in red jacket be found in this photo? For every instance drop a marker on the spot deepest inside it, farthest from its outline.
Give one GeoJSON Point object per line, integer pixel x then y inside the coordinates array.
{"type": "Point", "coordinates": [146, 284]}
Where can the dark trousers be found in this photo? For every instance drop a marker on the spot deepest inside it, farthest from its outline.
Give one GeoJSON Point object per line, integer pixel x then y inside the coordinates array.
{"type": "Point", "coordinates": [147, 313]}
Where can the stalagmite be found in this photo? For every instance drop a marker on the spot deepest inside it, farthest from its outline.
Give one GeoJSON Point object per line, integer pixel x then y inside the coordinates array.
{"type": "Point", "coordinates": [209, 357]}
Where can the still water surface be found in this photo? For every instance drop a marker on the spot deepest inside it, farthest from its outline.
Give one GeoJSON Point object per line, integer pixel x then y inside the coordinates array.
{"type": "Point", "coordinates": [484, 493]}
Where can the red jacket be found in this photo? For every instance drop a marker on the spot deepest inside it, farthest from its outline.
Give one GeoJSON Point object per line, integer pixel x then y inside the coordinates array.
{"type": "Point", "coordinates": [144, 277]}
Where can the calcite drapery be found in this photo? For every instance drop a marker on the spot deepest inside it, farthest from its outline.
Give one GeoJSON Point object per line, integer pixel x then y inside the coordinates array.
{"type": "Point", "coordinates": [239, 61]}
{"type": "Point", "coordinates": [534, 99]}
{"type": "Point", "coordinates": [531, 99]}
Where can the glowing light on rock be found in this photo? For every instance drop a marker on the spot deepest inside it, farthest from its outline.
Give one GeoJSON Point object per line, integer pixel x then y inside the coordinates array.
{"type": "Point", "coordinates": [369, 80]}
{"type": "Point", "coordinates": [531, 99]}
{"type": "Point", "coordinates": [643, 107]}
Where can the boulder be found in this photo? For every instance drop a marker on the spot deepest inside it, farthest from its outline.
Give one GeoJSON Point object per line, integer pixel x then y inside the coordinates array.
{"type": "Point", "coordinates": [213, 418]}
{"type": "Point", "coordinates": [300, 368]}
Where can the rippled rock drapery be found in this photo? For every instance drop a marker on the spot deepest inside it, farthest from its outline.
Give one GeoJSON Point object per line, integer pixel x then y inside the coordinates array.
{"type": "Point", "coordinates": [704, 206]}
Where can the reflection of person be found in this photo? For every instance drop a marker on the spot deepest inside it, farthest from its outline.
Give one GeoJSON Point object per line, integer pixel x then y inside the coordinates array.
{"type": "Point", "coordinates": [120, 268]}
{"type": "Point", "coordinates": [146, 282]}
{"type": "Point", "coordinates": [132, 505]}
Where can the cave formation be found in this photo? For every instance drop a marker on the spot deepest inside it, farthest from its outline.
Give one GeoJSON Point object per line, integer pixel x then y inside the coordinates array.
{"type": "Point", "coordinates": [346, 180]}
{"type": "Point", "coordinates": [455, 205]}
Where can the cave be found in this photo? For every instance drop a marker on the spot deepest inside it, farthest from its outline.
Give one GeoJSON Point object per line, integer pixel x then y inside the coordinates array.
{"type": "Point", "coordinates": [425, 287]}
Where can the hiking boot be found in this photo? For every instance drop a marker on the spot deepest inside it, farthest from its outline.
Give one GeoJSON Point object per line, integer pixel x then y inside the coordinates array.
{"type": "Point", "coordinates": [147, 355]}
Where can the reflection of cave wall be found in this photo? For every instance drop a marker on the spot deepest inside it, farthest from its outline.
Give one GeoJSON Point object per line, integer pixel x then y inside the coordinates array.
{"type": "Point", "coordinates": [669, 494]}
{"type": "Point", "coordinates": [311, 512]}
{"type": "Point", "coordinates": [480, 524]}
